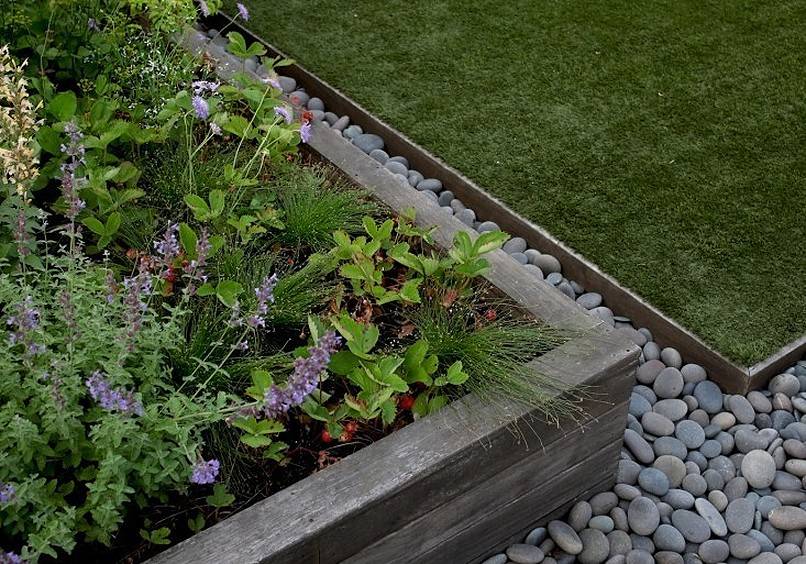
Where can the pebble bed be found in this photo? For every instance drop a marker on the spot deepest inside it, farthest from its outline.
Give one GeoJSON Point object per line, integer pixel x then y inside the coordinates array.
{"type": "Point", "coordinates": [703, 476]}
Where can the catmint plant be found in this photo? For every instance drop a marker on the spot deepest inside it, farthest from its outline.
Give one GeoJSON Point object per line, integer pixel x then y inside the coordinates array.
{"type": "Point", "coordinates": [305, 378]}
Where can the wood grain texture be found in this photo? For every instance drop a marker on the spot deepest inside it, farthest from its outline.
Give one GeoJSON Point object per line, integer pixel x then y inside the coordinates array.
{"type": "Point", "coordinates": [731, 376]}
{"type": "Point", "coordinates": [460, 530]}
{"type": "Point", "coordinates": [335, 513]}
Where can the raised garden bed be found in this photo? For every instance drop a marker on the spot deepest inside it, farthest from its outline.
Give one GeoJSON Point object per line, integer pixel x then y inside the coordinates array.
{"type": "Point", "coordinates": [618, 299]}
{"type": "Point", "coordinates": [461, 478]}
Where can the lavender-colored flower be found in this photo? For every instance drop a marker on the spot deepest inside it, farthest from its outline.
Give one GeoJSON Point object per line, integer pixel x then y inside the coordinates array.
{"type": "Point", "coordinates": [205, 471]}
{"type": "Point", "coordinates": [265, 295]}
{"type": "Point", "coordinates": [23, 325]}
{"type": "Point", "coordinates": [7, 492]}
{"type": "Point", "coordinates": [305, 132]}
{"type": "Point", "coordinates": [274, 83]}
{"type": "Point", "coordinates": [201, 86]}
{"type": "Point", "coordinates": [243, 11]}
{"type": "Point", "coordinates": [71, 184]}
{"type": "Point", "coordinates": [283, 113]}
{"type": "Point", "coordinates": [305, 378]}
{"type": "Point", "coordinates": [10, 558]}
{"type": "Point", "coordinates": [204, 8]}
{"type": "Point", "coordinates": [112, 399]}
{"type": "Point", "coordinates": [138, 289]}
{"type": "Point", "coordinates": [200, 107]}
{"type": "Point", "coordinates": [168, 246]}
{"type": "Point", "coordinates": [214, 127]}
{"type": "Point", "coordinates": [242, 346]}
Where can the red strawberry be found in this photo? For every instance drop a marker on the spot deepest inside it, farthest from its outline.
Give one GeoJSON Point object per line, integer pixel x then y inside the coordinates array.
{"type": "Point", "coordinates": [490, 314]}
{"type": "Point", "coordinates": [326, 438]}
{"type": "Point", "coordinates": [351, 427]}
{"type": "Point", "coordinates": [405, 402]}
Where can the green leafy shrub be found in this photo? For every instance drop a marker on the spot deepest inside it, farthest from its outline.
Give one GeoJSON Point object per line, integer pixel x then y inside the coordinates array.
{"type": "Point", "coordinates": [93, 422]}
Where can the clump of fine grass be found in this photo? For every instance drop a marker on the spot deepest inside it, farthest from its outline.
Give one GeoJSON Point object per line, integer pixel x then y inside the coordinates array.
{"type": "Point", "coordinates": [497, 354]}
{"type": "Point", "coordinates": [315, 206]}
{"type": "Point", "coordinates": [298, 293]}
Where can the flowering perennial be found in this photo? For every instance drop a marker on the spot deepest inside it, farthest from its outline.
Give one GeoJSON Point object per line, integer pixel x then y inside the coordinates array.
{"type": "Point", "coordinates": [305, 132]}
{"type": "Point", "coordinates": [23, 324]}
{"type": "Point", "coordinates": [18, 125]}
{"type": "Point", "coordinates": [168, 246]}
{"type": "Point", "coordinates": [138, 289]}
{"type": "Point", "coordinates": [7, 492]}
{"type": "Point", "coordinates": [200, 107]}
{"type": "Point", "coordinates": [111, 399]}
{"type": "Point", "coordinates": [10, 558]}
{"type": "Point", "coordinates": [243, 11]}
{"type": "Point", "coordinates": [205, 471]}
{"type": "Point", "coordinates": [265, 295]}
{"type": "Point", "coordinates": [305, 378]}
{"type": "Point", "coordinates": [283, 113]}
{"type": "Point", "coordinates": [74, 150]}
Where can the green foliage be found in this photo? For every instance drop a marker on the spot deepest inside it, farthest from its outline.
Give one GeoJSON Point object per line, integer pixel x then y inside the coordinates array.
{"type": "Point", "coordinates": [76, 466]}
{"type": "Point", "coordinates": [496, 353]}
{"type": "Point", "coordinates": [313, 207]}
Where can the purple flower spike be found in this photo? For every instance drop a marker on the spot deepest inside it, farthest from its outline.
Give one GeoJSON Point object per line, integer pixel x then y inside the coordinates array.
{"type": "Point", "coordinates": [7, 492]}
{"type": "Point", "coordinates": [23, 325]}
{"type": "Point", "coordinates": [265, 295]}
{"type": "Point", "coordinates": [243, 11]}
{"type": "Point", "coordinates": [205, 471]}
{"type": "Point", "coordinates": [304, 379]}
{"type": "Point", "coordinates": [305, 132]}
{"type": "Point", "coordinates": [111, 399]}
{"type": "Point", "coordinates": [283, 113]}
{"type": "Point", "coordinates": [10, 558]}
{"type": "Point", "coordinates": [200, 107]}
{"type": "Point", "coordinates": [168, 246]}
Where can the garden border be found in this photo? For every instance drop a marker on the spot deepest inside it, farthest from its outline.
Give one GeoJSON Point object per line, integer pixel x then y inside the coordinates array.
{"type": "Point", "coordinates": [464, 477]}
{"type": "Point", "coordinates": [732, 377]}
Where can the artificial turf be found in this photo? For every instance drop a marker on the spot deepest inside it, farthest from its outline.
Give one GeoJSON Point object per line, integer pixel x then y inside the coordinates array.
{"type": "Point", "coordinates": [665, 141]}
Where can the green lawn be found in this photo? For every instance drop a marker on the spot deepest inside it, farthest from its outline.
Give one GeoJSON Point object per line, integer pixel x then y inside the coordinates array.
{"type": "Point", "coordinates": [666, 142]}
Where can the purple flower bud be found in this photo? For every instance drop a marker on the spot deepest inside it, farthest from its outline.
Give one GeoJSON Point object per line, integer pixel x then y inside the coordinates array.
{"type": "Point", "coordinates": [214, 127]}
{"type": "Point", "coordinates": [265, 295]}
{"type": "Point", "coordinates": [243, 11]}
{"type": "Point", "coordinates": [168, 246]}
{"type": "Point", "coordinates": [7, 492]}
{"type": "Point", "coordinates": [274, 83]}
{"type": "Point", "coordinates": [200, 107]}
{"type": "Point", "coordinates": [10, 558]}
{"type": "Point", "coordinates": [305, 132]}
{"type": "Point", "coordinates": [305, 378]}
{"type": "Point", "coordinates": [205, 471]}
{"type": "Point", "coordinates": [283, 113]}
{"type": "Point", "coordinates": [23, 326]}
{"type": "Point", "coordinates": [112, 399]}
